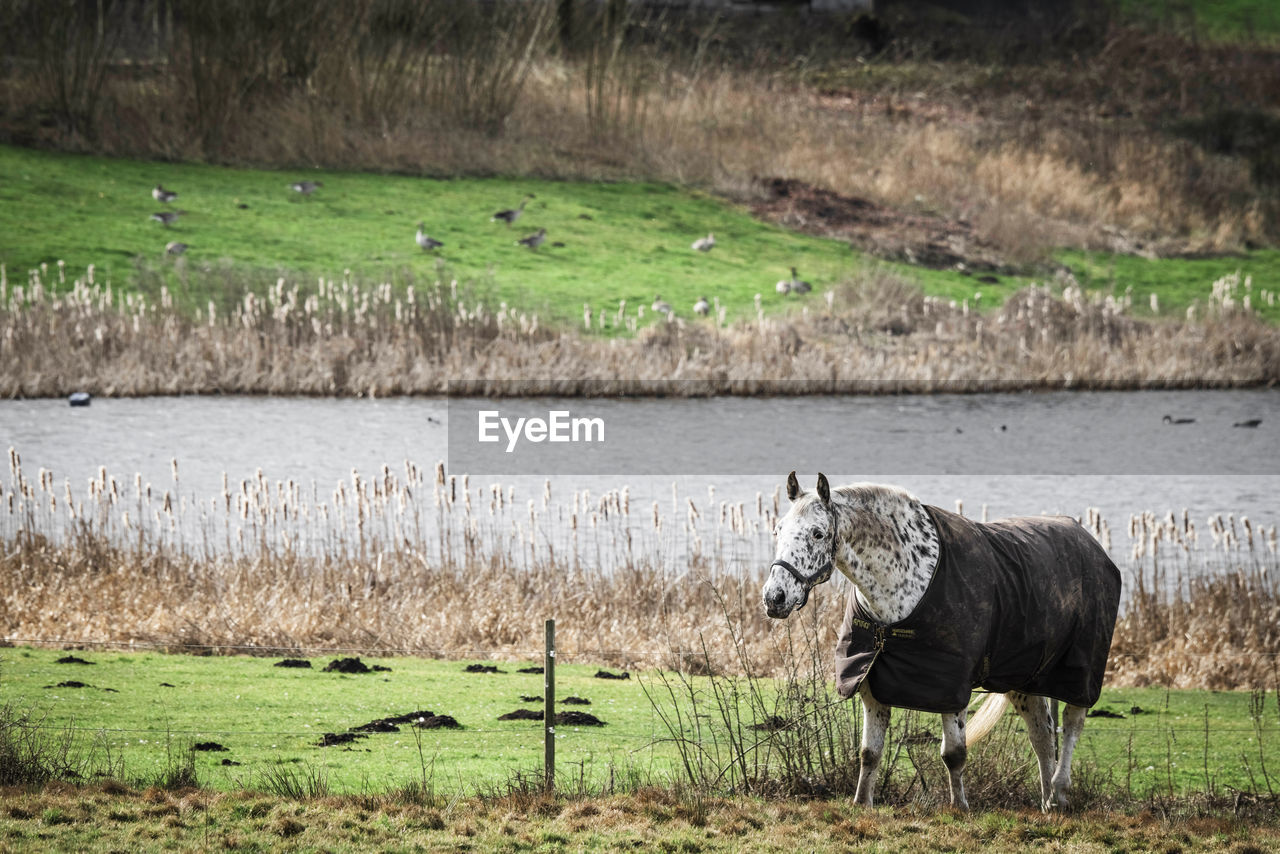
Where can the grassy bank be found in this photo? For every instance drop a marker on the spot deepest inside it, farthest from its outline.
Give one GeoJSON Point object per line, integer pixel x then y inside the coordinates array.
{"type": "Point", "coordinates": [606, 243]}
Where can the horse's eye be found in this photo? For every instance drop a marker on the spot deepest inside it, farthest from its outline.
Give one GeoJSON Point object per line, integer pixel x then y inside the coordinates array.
{"type": "Point", "coordinates": [817, 535]}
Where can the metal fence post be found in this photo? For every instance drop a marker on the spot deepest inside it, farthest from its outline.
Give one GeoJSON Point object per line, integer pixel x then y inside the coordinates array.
{"type": "Point", "coordinates": [549, 711]}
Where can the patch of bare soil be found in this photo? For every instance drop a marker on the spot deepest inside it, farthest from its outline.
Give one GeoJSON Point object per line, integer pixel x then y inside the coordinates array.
{"type": "Point", "coordinates": [71, 659]}
{"type": "Point", "coordinates": [569, 718]}
{"type": "Point", "coordinates": [210, 746]}
{"type": "Point", "coordinates": [522, 715]}
{"type": "Point", "coordinates": [482, 668]}
{"type": "Point", "coordinates": [879, 230]}
{"type": "Point", "coordinates": [605, 674]}
{"type": "Point", "coordinates": [292, 662]}
{"type": "Point", "coordinates": [772, 723]}
{"type": "Point", "coordinates": [353, 665]}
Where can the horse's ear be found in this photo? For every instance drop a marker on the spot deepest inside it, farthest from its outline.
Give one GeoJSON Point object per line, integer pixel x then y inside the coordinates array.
{"type": "Point", "coordinates": [824, 488]}
{"type": "Point", "coordinates": [793, 487]}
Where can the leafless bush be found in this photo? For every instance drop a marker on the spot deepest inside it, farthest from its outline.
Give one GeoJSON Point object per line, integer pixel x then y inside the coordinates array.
{"type": "Point", "coordinates": [73, 43]}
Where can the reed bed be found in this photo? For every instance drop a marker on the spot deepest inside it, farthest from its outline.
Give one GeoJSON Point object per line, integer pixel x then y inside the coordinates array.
{"type": "Point", "coordinates": [874, 333]}
{"type": "Point", "coordinates": [425, 563]}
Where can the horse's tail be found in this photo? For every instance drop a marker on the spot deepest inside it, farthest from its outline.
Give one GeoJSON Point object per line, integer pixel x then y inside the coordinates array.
{"type": "Point", "coordinates": [985, 718]}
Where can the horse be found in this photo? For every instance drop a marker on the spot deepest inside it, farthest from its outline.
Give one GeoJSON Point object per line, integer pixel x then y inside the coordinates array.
{"type": "Point", "coordinates": [940, 605]}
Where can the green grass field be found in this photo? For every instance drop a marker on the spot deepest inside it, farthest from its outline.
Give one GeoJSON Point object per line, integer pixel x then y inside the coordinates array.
{"type": "Point", "coordinates": [148, 708]}
{"type": "Point", "coordinates": [1219, 20]}
{"type": "Point", "coordinates": [620, 241]}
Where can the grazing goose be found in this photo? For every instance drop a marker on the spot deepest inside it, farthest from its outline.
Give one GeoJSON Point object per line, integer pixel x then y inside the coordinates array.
{"type": "Point", "coordinates": [1252, 422]}
{"type": "Point", "coordinates": [1169, 419]}
{"type": "Point", "coordinates": [306, 187]}
{"type": "Point", "coordinates": [167, 218]}
{"type": "Point", "coordinates": [175, 247]}
{"type": "Point", "coordinates": [533, 241]}
{"type": "Point", "coordinates": [511, 214]}
{"type": "Point", "coordinates": [701, 307]}
{"type": "Point", "coordinates": [427, 243]}
{"type": "Point", "coordinates": [660, 305]}
{"type": "Point", "coordinates": [704, 244]}
{"type": "Point", "coordinates": [799, 286]}
{"type": "Point", "coordinates": [160, 194]}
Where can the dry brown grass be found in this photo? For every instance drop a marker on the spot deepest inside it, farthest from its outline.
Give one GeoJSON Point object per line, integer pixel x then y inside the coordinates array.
{"type": "Point", "coordinates": [112, 816]}
{"type": "Point", "coordinates": [874, 334]}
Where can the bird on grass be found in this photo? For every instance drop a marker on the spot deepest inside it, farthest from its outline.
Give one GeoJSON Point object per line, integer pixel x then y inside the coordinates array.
{"type": "Point", "coordinates": [167, 218]}
{"type": "Point", "coordinates": [1252, 422]}
{"type": "Point", "coordinates": [1169, 419]}
{"type": "Point", "coordinates": [533, 241]}
{"type": "Point", "coordinates": [798, 285]}
{"type": "Point", "coordinates": [511, 214]}
{"type": "Point", "coordinates": [660, 305]}
{"type": "Point", "coordinates": [306, 187]}
{"type": "Point", "coordinates": [175, 247]}
{"type": "Point", "coordinates": [427, 243]}
{"type": "Point", "coordinates": [704, 244]}
{"type": "Point", "coordinates": [701, 307]}
{"type": "Point", "coordinates": [160, 194]}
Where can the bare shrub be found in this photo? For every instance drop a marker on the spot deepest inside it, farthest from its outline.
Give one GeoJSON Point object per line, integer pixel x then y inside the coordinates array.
{"type": "Point", "coordinates": [73, 45]}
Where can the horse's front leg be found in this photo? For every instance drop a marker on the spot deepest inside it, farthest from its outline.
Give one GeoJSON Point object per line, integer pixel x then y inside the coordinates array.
{"type": "Point", "coordinates": [954, 754]}
{"type": "Point", "coordinates": [875, 722]}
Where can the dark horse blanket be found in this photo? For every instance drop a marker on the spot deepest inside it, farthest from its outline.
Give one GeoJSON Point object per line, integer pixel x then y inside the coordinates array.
{"type": "Point", "coordinates": [1017, 605]}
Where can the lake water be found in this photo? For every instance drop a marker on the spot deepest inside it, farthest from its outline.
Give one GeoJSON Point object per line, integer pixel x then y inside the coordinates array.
{"type": "Point", "coordinates": [1014, 453]}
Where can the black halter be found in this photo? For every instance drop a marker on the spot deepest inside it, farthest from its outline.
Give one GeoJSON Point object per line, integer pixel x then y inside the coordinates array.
{"type": "Point", "coordinates": [821, 574]}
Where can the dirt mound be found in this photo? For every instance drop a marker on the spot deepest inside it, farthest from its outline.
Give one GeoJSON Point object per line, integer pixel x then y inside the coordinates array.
{"type": "Point", "coordinates": [482, 668]}
{"type": "Point", "coordinates": [293, 662]}
{"type": "Point", "coordinates": [353, 665]}
{"type": "Point", "coordinates": [72, 659]}
{"type": "Point", "coordinates": [605, 674]}
{"type": "Point", "coordinates": [522, 715]}
{"type": "Point", "coordinates": [210, 746]}
{"type": "Point", "coordinates": [70, 683]}
{"type": "Point", "coordinates": [533, 669]}
{"type": "Point", "coordinates": [380, 725]}
{"type": "Point", "coordinates": [578, 719]}
{"type": "Point", "coordinates": [772, 723]}
{"type": "Point", "coordinates": [329, 739]}
{"type": "Point", "coordinates": [410, 717]}
{"type": "Point", "coordinates": [438, 722]}
{"type": "Point", "coordinates": [530, 698]}
{"type": "Point", "coordinates": [882, 231]}
{"type": "Point", "coordinates": [570, 718]}
{"type": "Point", "coordinates": [576, 701]}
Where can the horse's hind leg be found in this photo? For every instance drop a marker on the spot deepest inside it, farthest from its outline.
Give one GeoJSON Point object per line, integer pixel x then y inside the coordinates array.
{"type": "Point", "coordinates": [875, 722]}
{"type": "Point", "coordinates": [1035, 713]}
{"type": "Point", "coordinates": [954, 754]}
{"type": "Point", "coordinates": [1072, 726]}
